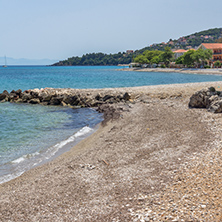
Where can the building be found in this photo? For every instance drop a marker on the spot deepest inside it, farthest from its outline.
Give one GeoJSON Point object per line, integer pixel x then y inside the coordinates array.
{"type": "Point", "coordinates": [216, 49]}
{"type": "Point", "coordinates": [179, 52]}
{"type": "Point", "coordinates": [129, 51]}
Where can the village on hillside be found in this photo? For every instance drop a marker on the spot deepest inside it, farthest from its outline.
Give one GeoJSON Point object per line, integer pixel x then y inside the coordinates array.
{"type": "Point", "coordinates": [206, 55]}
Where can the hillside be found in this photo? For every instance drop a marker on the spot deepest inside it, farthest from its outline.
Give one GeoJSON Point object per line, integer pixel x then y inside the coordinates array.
{"type": "Point", "coordinates": [184, 42]}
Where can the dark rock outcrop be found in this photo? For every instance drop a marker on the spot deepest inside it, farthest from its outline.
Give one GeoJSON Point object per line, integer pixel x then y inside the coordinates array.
{"type": "Point", "coordinates": [63, 97]}
{"type": "Point", "coordinates": [207, 98]}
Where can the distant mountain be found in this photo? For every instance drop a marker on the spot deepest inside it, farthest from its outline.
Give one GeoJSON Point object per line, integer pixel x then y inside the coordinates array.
{"type": "Point", "coordinates": [184, 42]}
{"type": "Point", "coordinates": [22, 61]}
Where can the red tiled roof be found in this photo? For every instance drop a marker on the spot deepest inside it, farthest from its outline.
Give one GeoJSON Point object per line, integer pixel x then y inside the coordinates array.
{"type": "Point", "coordinates": [212, 45]}
{"type": "Point", "coordinates": [180, 51]}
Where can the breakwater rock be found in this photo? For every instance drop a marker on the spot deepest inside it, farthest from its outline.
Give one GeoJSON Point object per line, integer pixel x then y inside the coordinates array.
{"type": "Point", "coordinates": [75, 98]}
{"type": "Point", "coordinates": [208, 98]}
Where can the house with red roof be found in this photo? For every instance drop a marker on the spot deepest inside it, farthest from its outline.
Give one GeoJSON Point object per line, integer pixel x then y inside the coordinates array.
{"type": "Point", "coordinates": [179, 52]}
{"type": "Point", "coordinates": [216, 49]}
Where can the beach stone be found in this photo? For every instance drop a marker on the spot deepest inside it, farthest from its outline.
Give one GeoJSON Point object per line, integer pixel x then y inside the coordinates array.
{"type": "Point", "coordinates": [98, 97]}
{"type": "Point", "coordinates": [12, 95]}
{"type": "Point", "coordinates": [45, 97]}
{"type": "Point", "coordinates": [216, 106]}
{"type": "Point", "coordinates": [55, 101]}
{"type": "Point", "coordinates": [2, 96]}
{"type": "Point", "coordinates": [34, 94]}
{"type": "Point", "coordinates": [63, 104]}
{"type": "Point", "coordinates": [26, 96]}
{"type": "Point", "coordinates": [72, 100]}
{"type": "Point", "coordinates": [18, 92]}
{"type": "Point", "coordinates": [201, 99]}
{"type": "Point", "coordinates": [19, 100]}
{"type": "Point", "coordinates": [34, 101]}
{"type": "Point", "coordinates": [5, 92]}
{"type": "Point", "coordinates": [107, 97]}
{"type": "Point", "coordinates": [126, 96]}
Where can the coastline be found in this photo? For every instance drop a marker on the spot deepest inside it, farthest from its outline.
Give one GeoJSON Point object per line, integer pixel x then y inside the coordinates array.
{"type": "Point", "coordinates": [111, 174]}
{"type": "Point", "coordinates": [177, 70]}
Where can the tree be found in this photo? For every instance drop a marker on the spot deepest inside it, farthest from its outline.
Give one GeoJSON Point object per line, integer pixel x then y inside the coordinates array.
{"type": "Point", "coordinates": [201, 56]}
{"type": "Point", "coordinates": [188, 58]}
{"type": "Point", "coordinates": [155, 60]}
{"type": "Point", "coordinates": [179, 60]}
{"type": "Point", "coordinates": [217, 64]}
{"type": "Point", "coordinates": [141, 59]}
{"type": "Point", "coordinates": [219, 40]}
{"type": "Point", "coordinates": [167, 56]}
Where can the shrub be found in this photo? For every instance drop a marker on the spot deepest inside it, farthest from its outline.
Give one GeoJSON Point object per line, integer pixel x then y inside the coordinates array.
{"type": "Point", "coordinates": [162, 66]}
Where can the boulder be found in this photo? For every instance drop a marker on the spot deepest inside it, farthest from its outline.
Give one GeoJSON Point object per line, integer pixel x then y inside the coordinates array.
{"type": "Point", "coordinates": [216, 106]}
{"type": "Point", "coordinates": [126, 96]}
{"type": "Point", "coordinates": [98, 97]}
{"type": "Point", "coordinates": [34, 101]}
{"type": "Point", "coordinates": [12, 95]}
{"type": "Point", "coordinates": [55, 101]}
{"type": "Point", "coordinates": [2, 96]}
{"type": "Point", "coordinates": [201, 99]}
{"type": "Point", "coordinates": [34, 94]}
{"type": "Point", "coordinates": [26, 97]}
{"type": "Point", "coordinates": [107, 97]}
{"type": "Point", "coordinates": [18, 92]}
{"type": "Point", "coordinates": [44, 97]}
{"type": "Point", "coordinates": [69, 99]}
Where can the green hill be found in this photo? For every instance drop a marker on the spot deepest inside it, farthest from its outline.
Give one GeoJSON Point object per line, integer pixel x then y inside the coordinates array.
{"type": "Point", "coordinates": [184, 42]}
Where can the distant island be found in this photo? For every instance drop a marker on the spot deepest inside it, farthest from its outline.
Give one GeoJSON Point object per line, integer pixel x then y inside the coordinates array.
{"type": "Point", "coordinates": [184, 42]}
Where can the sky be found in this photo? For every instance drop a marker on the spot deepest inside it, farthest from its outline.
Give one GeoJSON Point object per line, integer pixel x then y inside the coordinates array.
{"type": "Point", "coordinates": [59, 29]}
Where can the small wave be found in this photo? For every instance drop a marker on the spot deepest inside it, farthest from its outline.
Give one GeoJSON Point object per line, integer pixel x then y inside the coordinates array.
{"type": "Point", "coordinates": [28, 161]}
{"type": "Point", "coordinates": [23, 158]}
{"type": "Point", "coordinates": [72, 138]}
{"type": "Point", "coordinates": [9, 177]}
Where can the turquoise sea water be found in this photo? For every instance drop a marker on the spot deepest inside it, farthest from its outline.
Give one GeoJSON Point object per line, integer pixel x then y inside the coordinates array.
{"type": "Point", "coordinates": [32, 134]}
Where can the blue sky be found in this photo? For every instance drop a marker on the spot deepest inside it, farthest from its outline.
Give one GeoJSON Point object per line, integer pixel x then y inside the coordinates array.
{"type": "Point", "coordinates": [58, 29]}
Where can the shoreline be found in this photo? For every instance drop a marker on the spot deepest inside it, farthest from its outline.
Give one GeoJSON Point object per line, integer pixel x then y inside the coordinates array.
{"type": "Point", "coordinates": [133, 154]}
{"type": "Point", "coordinates": [177, 70]}
{"type": "Point", "coordinates": [29, 161]}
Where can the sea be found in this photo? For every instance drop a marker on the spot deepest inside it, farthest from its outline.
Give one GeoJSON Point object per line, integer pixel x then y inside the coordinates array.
{"type": "Point", "coordinates": [31, 135]}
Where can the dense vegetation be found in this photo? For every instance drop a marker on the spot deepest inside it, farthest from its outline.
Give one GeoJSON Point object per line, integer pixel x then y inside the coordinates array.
{"type": "Point", "coordinates": [196, 58]}
{"type": "Point", "coordinates": [97, 59]}
{"type": "Point", "coordinates": [151, 57]}
{"type": "Point", "coordinates": [187, 42]}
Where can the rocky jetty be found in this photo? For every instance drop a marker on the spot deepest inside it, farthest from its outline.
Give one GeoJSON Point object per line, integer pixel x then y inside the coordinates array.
{"type": "Point", "coordinates": [64, 97]}
{"type": "Point", "coordinates": [208, 98]}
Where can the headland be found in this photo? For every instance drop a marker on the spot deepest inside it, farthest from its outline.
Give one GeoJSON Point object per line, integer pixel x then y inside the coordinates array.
{"type": "Point", "coordinates": [153, 158]}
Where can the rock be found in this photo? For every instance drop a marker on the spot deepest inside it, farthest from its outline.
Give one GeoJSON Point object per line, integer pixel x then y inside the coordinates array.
{"type": "Point", "coordinates": [34, 94]}
{"type": "Point", "coordinates": [2, 96]}
{"type": "Point", "coordinates": [201, 99]}
{"type": "Point", "coordinates": [107, 97]}
{"type": "Point", "coordinates": [34, 101]}
{"type": "Point", "coordinates": [98, 97]}
{"type": "Point", "coordinates": [18, 92]}
{"type": "Point", "coordinates": [55, 100]}
{"type": "Point", "coordinates": [216, 106]}
{"type": "Point", "coordinates": [126, 96]}
{"type": "Point", "coordinates": [25, 97]}
{"type": "Point", "coordinates": [63, 104]}
{"type": "Point", "coordinates": [19, 100]}
{"type": "Point", "coordinates": [13, 95]}
{"type": "Point", "coordinates": [45, 97]}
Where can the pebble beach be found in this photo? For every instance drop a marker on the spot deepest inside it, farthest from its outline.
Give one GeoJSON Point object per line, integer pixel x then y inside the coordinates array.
{"type": "Point", "coordinates": [152, 159]}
